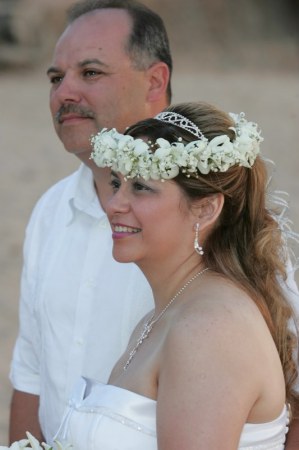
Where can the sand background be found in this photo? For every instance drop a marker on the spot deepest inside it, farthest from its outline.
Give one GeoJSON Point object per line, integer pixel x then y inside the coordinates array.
{"type": "Point", "coordinates": [254, 73]}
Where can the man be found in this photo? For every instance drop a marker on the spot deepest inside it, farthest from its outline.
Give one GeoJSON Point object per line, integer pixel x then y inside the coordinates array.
{"type": "Point", "coordinates": [111, 67]}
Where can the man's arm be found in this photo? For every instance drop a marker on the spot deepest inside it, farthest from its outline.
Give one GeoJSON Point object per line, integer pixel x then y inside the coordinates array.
{"type": "Point", "coordinates": [24, 416]}
{"type": "Point", "coordinates": [24, 371]}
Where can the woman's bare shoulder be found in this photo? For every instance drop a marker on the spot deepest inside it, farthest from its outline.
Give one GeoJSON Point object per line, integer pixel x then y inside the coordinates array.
{"type": "Point", "coordinates": [218, 298]}
{"type": "Point", "coordinates": [218, 315]}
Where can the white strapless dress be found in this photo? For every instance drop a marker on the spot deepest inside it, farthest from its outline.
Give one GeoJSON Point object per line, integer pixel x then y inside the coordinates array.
{"type": "Point", "coordinates": [106, 417]}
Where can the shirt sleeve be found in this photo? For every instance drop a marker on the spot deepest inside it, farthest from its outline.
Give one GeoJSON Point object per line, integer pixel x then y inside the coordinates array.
{"type": "Point", "coordinates": [25, 364]}
{"type": "Point", "coordinates": [24, 372]}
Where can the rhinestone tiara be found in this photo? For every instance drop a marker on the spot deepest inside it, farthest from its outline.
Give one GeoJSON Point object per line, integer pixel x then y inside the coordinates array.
{"type": "Point", "coordinates": [180, 121]}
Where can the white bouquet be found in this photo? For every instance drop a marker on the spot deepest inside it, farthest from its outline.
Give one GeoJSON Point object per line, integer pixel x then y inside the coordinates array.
{"type": "Point", "coordinates": [32, 443]}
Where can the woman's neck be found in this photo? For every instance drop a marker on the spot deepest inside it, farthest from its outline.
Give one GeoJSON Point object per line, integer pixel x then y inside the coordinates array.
{"type": "Point", "coordinates": [167, 279]}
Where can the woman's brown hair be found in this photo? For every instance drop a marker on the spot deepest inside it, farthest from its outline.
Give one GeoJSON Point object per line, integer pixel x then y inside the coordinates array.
{"type": "Point", "coordinates": [246, 244]}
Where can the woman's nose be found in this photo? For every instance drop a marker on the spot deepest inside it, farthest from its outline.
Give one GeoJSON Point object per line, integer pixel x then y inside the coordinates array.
{"type": "Point", "coordinates": [118, 203]}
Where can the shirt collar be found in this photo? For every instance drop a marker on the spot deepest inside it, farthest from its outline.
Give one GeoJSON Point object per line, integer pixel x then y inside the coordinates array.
{"type": "Point", "coordinates": [83, 196]}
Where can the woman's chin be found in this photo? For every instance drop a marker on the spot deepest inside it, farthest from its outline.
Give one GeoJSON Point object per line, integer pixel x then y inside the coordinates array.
{"type": "Point", "coordinates": [123, 258]}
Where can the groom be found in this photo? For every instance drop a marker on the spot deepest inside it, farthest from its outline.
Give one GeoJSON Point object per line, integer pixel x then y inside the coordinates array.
{"type": "Point", "coordinates": [111, 67]}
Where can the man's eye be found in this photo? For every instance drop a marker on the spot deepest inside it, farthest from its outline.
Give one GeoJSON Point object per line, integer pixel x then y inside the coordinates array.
{"type": "Point", "coordinates": [56, 79]}
{"type": "Point", "coordinates": [91, 73]}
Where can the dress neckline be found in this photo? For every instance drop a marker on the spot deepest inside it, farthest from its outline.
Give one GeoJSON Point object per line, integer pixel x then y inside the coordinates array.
{"type": "Point", "coordinates": [89, 383]}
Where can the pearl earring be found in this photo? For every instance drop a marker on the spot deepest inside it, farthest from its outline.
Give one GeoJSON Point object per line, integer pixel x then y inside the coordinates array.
{"type": "Point", "coordinates": [197, 247]}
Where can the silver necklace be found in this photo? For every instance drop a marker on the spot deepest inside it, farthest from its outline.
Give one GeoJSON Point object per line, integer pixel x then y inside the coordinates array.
{"type": "Point", "coordinates": [151, 322]}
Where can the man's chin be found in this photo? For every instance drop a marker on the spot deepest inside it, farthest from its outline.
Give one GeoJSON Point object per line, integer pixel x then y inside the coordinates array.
{"type": "Point", "coordinates": [76, 140]}
{"type": "Point", "coordinates": [76, 144]}
{"type": "Point", "coordinates": [82, 153]}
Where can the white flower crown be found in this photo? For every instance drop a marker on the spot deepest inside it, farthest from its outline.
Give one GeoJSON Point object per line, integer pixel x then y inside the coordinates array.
{"type": "Point", "coordinates": [134, 157]}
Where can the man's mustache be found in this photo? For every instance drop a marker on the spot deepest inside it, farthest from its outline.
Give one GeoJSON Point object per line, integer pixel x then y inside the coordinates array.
{"type": "Point", "coordinates": [70, 108]}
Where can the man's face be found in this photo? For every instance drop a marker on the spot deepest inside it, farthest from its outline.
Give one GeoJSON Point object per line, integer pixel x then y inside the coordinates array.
{"type": "Point", "coordinates": [94, 84]}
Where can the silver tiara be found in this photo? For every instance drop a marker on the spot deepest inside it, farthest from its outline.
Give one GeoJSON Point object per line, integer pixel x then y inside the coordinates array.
{"type": "Point", "coordinates": [180, 121]}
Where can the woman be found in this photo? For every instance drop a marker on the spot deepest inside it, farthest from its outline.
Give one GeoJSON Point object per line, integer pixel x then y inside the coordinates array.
{"type": "Point", "coordinates": [211, 367]}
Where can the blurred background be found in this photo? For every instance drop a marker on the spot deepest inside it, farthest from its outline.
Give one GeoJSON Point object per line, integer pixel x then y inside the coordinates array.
{"type": "Point", "coordinates": [242, 55]}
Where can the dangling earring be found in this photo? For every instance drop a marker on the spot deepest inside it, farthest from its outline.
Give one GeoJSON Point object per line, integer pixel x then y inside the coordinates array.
{"type": "Point", "coordinates": [197, 247]}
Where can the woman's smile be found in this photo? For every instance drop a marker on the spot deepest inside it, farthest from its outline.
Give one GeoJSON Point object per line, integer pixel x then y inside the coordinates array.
{"type": "Point", "coordinates": [120, 230]}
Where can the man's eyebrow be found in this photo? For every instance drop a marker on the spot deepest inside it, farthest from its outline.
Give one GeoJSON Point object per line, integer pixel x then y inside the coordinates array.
{"type": "Point", "coordinates": [81, 64]}
{"type": "Point", "coordinates": [86, 62]}
{"type": "Point", "coordinates": [52, 69]}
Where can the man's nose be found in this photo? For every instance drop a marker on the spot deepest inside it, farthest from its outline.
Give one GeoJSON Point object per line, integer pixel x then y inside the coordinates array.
{"type": "Point", "coordinates": [68, 90]}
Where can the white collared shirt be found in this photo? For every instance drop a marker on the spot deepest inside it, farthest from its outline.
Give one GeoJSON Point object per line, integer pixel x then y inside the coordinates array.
{"type": "Point", "coordinates": [78, 306]}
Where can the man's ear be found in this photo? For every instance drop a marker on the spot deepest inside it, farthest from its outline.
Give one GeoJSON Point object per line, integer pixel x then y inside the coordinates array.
{"type": "Point", "coordinates": [208, 209]}
{"type": "Point", "coordinates": [158, 77]}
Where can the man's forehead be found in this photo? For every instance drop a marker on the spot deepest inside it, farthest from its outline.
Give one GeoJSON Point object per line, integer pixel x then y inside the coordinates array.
{"type": "Point", "coordinates": [102, 21]}
{"type": "Point", "coordinates": [99, 30]}
{"type": "Point", "coordinates": [100, 35]}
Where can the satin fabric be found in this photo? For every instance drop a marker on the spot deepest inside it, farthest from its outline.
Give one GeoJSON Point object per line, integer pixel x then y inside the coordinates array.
{"type": "Point", "coordinates": [106, 417]}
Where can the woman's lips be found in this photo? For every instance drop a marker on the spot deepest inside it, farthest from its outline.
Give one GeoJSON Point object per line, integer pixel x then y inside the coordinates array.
{"type": "Point", "coordinates": [119, 230]}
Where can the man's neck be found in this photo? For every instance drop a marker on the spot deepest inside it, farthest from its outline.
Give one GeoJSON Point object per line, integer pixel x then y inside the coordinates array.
{"type": "Point", "coordinates": [102, 178]}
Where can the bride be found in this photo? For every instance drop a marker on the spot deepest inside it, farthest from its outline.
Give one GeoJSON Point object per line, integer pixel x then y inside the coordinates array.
{"type": "Point", "coordinates": [211, 367]}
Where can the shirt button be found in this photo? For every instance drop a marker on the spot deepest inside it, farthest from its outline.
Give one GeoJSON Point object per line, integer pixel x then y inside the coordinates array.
{"type": "Point", "coordinates": [79, 342]}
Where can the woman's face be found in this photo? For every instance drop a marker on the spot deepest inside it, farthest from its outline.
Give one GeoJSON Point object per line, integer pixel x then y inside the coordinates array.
{"type": "Point", "coordinates": [150, 220]}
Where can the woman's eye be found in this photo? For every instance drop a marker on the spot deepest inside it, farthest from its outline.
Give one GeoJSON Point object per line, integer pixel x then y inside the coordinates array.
{"type": "Point", "coordinates": [141, 187]}
{"type": "Point", "coordinates": [115, 184]}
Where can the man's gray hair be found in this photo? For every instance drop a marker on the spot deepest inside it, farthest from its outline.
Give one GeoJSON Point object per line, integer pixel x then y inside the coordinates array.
{"type": "Point", "coordinates": [148, 42]}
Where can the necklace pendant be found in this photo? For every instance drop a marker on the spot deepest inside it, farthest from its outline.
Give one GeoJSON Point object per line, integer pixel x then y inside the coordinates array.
{"type": "Point", "coordinates": [146, 331]}
{"type": "Point", "coordinates": [151, 322]}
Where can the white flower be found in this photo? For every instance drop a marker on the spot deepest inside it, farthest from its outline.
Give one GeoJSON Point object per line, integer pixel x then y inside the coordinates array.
{"type": "Point", "coordinates": [140, 148]}
{"type": "Point", "coordinates": [170, 173]}
{"type": "Point", "coordinates": [59, 446]}
{"type": "Point", "coordinates": [134, 158]}
{"type": "Point", "coordinates": [163, 152]}
{"type": "Point", "coordinates": [108, 141]}
{"type": "Point", "coordinates": [32, 443]}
